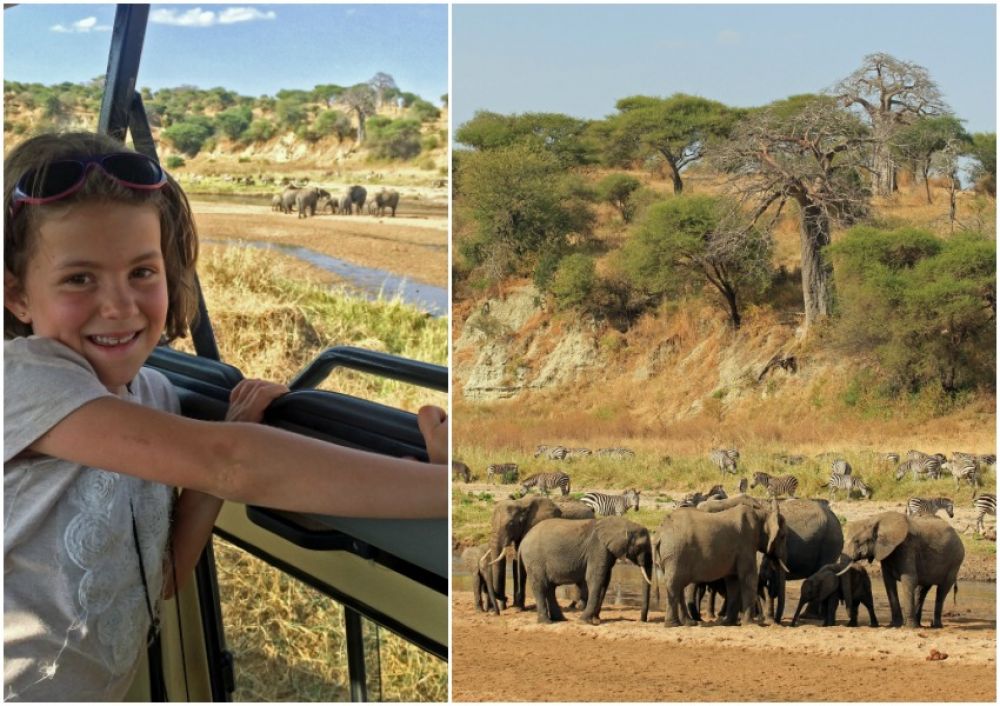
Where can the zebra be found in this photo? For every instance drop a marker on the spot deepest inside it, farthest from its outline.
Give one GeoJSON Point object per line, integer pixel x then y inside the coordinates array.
{"type": "Point", "coordinates": [547, 450]}
{"type": "Point", "coordinates": [839, 481]}
{"type": "Point", "coordinates": [841, 466]}
{"type": "Point", "coordinates": [717, 492]}
{"type": "Point", "coordinates": [930, 506]}
{"type": "Point", "coordinates": [926, 467]}
{"type": "Point", "coordinates": [604, 504]}
{"type": "Point", "coordinates": [725, 459]}
{"type": "Point", "coordinates": [985, 504]}
{"type": "Point", "coordinates": [987, 459]}
{"type": "Point", "coordinates": [794, 460]}
{"type": "Point", "coordinates": [556, 453]}
{"type": "Point", "coordinates": [744, 485]}
{"type": "Point", "coordinates": [578, 453]}
{"type": "Point", "coordinates": [619, 452]}
{"type": "Point", "coordinates": [890, 457]}
{"type": "Point", "coordinates": [506, 471]}
{"type": "Point", "coordinates": [546, 482]}
{"type": "Point", "coordinates": [776, 485]}
{"type": "Point", "coordinates": [965, 467]}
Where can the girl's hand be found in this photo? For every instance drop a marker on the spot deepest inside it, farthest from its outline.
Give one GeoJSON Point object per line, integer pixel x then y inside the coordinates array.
{"type": "Point", "coordinates": [250, 398]}
{"type": "Point", "coordinates": [433, 423]}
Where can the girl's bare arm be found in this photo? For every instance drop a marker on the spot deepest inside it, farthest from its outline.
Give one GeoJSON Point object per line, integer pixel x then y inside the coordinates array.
{"type": "Point", "coordinates": [248, 463]}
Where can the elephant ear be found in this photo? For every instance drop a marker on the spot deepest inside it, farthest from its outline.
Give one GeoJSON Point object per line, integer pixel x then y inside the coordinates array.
{"type": "Point", "coordinates": [613, 533]}
{"type": "Point", "coordinates": [890, 531]}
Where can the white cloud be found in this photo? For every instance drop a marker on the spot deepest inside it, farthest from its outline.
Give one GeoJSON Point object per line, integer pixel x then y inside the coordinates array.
{"type": "Point", "coordinates": [232, 15]}
{"type": "Point", "coordinates": [196, 17]}
{"type": "Point", "coordinates": [87, 24]}
{"type": "Point", "coordinates": [728, 36]}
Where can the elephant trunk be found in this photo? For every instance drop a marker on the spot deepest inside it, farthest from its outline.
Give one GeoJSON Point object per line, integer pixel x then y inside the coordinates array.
{"type": "Point", "coordinates": [798, 610]}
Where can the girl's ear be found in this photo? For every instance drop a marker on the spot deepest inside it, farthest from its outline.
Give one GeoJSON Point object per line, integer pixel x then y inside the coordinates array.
{"type": "Point", "coordinates": [14, 299]}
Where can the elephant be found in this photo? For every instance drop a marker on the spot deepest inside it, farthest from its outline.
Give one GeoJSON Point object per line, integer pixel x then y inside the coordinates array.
{"type": "Point", "coordinates": [276, 202]}
{"type": "Point", "coordinates": [386, 199]}
{"type": "Point", "coordinates": [694, 546]}
{"type": "Point", "coordinates": [814, 539]}
{"type": "Point", "coordinates": [288, 198]}
{"type": "Point", "coordinates": [510, 521]}
{"type": "Point", "coordinates": [353, 200]}
{"type": "Point", "coordinates": [582, 552]}
{"type": "Point", "coordinates": [918, 551]}
{"type": "Point", "coordinates": [844, 581]}
{"type": "Point", "coordinates": [306, 200]}
{"type": "Point", "coordinates": [476, 562]}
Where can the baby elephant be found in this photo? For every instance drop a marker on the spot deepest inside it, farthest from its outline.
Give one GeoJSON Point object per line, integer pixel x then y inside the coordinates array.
{"type": "Point", "coordinates": [834, 583]}
{"type": "Point", "coordinates": [477, 562]}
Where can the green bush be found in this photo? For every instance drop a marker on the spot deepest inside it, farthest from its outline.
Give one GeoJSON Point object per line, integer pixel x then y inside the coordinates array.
{"type": "Point", "coordinates": [260, 131]}
{"type": "Point", "coordinates": [430, 143]}
{"type": "Point", "coordinates": [395, 139]}
{"type": "Point", "coordinates": [189, 136]}
{"type": "Point", "coordinates": [233, 122]}
{"type": "Point", "coordinates": [423, 111]}
{"type": "Point", "coordinates": [174, 161]}
{"type": "Point", "coordinates": [574, 281]}
{"type": "Point", "coordinates": [617, 189]}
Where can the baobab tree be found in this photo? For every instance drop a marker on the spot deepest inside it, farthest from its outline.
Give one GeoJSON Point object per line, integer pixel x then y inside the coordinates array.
{"type": "Point", "coordinates": [892, 94]}
{"type": "Point", "coordinates": [807, 150]}
{"type": "Point", "coordinates": [383, 84]}
{"type": "Point", "coordinates": [361, 99]}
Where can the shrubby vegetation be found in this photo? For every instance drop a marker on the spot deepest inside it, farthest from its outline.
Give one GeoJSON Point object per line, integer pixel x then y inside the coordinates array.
{"type": "Point", "coordinates": [526, 189]}
{"type": "Point", "coordinates": [192, 117]}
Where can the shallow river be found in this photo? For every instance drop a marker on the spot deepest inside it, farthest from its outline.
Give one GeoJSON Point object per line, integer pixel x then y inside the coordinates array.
{"type": "Point", "coordinates": [976, 599]}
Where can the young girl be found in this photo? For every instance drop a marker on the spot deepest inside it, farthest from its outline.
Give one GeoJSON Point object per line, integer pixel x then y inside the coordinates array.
{"type": "Point", "coordinates": [100, 248]}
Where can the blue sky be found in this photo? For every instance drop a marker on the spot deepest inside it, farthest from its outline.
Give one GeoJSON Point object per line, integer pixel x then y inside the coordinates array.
{"type": "Point", "coordinates": [579, 60]}
{"type": "Point", "coordinates": [251, 49]}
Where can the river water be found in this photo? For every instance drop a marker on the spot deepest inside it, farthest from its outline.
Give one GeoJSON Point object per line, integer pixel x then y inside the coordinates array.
{"type": "Point", "coordinates": [368, 282]}
{"type": "Point", "coordinates": [976, 599]}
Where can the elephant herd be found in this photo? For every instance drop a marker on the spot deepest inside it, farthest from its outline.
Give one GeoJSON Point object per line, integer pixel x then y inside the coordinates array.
{"type": "Point", "coordinates": [307, 200]}
{"type": "Point", "coordinates": [741, 547]}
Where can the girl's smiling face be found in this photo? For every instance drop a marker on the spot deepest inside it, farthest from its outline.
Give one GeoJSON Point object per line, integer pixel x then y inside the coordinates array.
{"type": "Point", "coordinates": [96, 282]}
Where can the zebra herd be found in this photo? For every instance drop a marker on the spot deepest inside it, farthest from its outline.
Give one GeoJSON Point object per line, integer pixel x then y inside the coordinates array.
{"type": "Point", "coordinates": [561, 453]}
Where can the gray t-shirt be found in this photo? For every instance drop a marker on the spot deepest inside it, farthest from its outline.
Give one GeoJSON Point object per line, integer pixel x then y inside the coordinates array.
{"type": "Point", "coordinates": [75, 613]}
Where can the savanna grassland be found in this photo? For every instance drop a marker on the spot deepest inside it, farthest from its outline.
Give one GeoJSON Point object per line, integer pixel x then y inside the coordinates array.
{"type": "Point", "coordinates": [683, 275]}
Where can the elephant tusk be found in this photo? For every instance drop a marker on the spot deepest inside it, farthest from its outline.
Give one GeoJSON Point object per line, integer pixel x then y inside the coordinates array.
{"type": "Point", "coordinates": [499, 556]}
{"type": "Point", "coordinates": [846, 569]}
{"type": "Point", "coordinates": [783, 567]}
{"type": "Point", "coordinates": [643, 570]}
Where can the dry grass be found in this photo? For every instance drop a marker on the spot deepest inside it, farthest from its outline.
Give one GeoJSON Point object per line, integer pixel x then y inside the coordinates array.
{"type": "Point", "coordinates": [270, 320]}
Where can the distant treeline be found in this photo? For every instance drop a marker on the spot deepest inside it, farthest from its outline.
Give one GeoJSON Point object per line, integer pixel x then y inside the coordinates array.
{"type": "Point", "coordinates": [191, 118]}
{"type": "Point", "coordinates": [920, 300]}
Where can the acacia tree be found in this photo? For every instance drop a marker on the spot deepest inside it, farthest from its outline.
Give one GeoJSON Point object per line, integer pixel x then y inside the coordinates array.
{"type": "Point", "coordinates": [892, 94]}
{"type": "Point", "coordinates": [920, 142]}
{"type": "Point", "coordinates": [677, 128]}
{"type": "Point", "coordinates": [361, 99]}
{"type": "Point", "coordinates": [984, 150]}
{"type": "Point", "coordinates": [688, 242]}
{"type": "Point", "coordinates": [807, 150]}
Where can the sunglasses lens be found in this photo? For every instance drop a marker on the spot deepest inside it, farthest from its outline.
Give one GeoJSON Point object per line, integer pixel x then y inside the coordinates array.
{"type": "Point", "coordinates": [133, 168]}
{"type": "Point", "coordinates": [52, 181]}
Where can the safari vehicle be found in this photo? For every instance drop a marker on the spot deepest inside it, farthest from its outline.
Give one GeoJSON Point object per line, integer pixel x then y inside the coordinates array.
{"type": "Point", "coordinates": [390, 574]}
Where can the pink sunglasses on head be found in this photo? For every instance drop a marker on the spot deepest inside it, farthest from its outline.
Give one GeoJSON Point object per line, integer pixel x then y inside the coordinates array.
{"type": "Point", "coordinates": [65, 177]}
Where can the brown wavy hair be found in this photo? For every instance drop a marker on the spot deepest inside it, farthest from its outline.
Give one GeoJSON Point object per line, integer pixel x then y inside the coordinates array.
{"type": "Point", "coordinates": [178, 236]}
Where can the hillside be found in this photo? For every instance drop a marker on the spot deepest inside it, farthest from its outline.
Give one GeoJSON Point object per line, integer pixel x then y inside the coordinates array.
{"type": "Point", "coordinates": [679, 378]}
{"type": "Point", "coordinates": [215, 141]}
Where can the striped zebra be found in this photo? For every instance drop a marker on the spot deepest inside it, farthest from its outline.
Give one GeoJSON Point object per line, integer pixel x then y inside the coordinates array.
{"type": "Point", "coordinates": [604, 504]}
{"type": "Point", "coordinates": [744, 485]}
{"type": "Point", "coordinates": [889, 457]}
{"type": "Point", "coordinates": [851, 484]}
{"type": "Point", "coordinates": [987, 459]}
{"type": "Point", "coordinates": [725, 459]}
{"type": "Point", "coordinates": [776, 485]}
{"type": "Point", "coordinates": [841, 466]}
{"type": "Point", "coordinates": [546, 482]}
{"type": "Point", "coordinates": [556, 453]}
{"type": "Point", "coordinates": [965, 467]}
{"type": "Point", "coordinates": [930, 506]}
{"type": "Point", "coordinates": [926, 467]}
{"type": "Point", "coordinates": [578, 453]}
{"type": "Point", "coordinates": [507, 472]}
{"type": "Point", "coordinates": [547, 449]}
{"type": "Point", "coordinates": [619, 452]}
{"type": "Point", "coordinates": [716, 492]}
{"type": "Point", "coordinates": [985, 504]}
